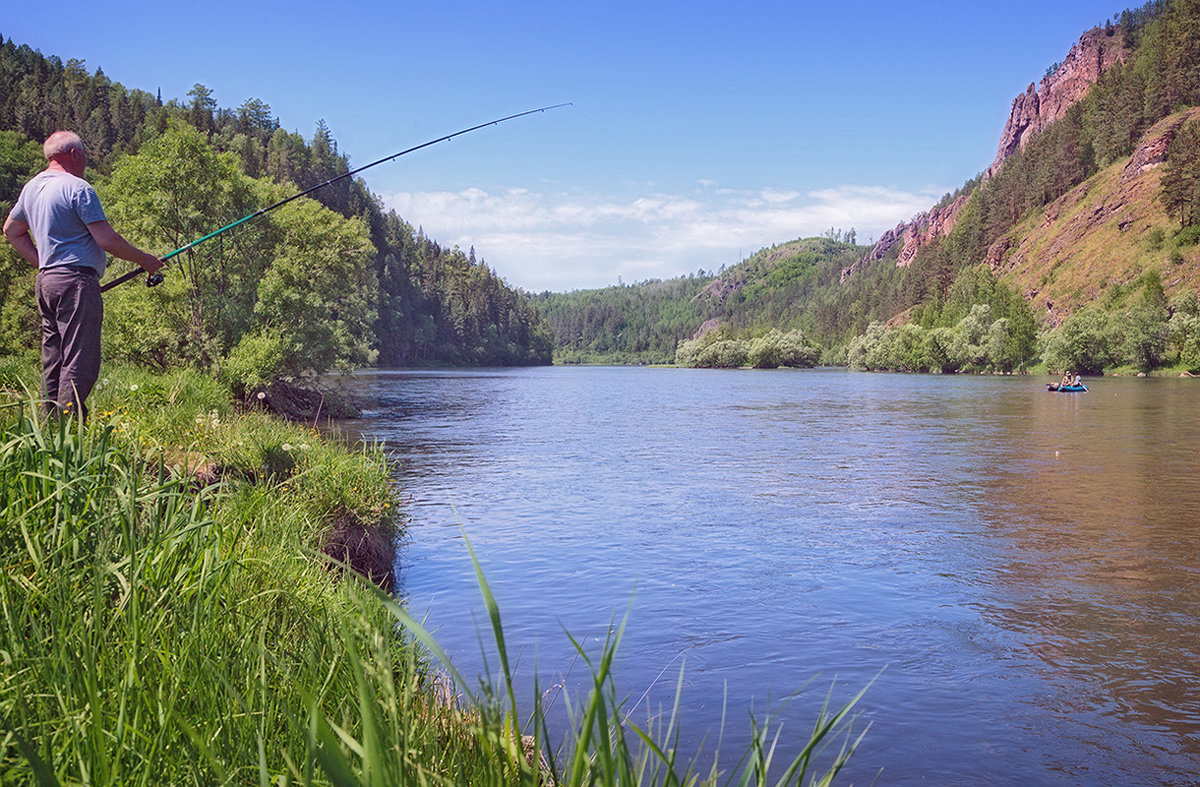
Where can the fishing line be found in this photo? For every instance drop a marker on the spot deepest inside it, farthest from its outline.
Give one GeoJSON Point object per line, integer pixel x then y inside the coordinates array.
{"type": "Point", "coordinates": [658, 173]}
{"type": "Point", "coordinates": [156, 278]}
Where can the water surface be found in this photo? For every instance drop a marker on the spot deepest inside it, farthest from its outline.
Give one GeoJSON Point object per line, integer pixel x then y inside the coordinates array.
{"type": "Point", "coordinates": [1017, 570]}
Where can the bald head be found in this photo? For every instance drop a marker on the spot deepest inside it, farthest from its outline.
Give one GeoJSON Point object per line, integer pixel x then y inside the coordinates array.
{"type": "Point", "coordinates": [62, 143]}
{"type": "Point", "coordinates": [64, 150]}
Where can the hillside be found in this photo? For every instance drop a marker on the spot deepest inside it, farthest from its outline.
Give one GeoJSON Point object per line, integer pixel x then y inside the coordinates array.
{"type": "Point", "coordinates": [1071, 216]}
{"type": "Point", "coordinates": [414, 300]}
{"type": "Point", "coordinates": [784, 286]}
{"type": "Point", "coordinates": [1108, 231]}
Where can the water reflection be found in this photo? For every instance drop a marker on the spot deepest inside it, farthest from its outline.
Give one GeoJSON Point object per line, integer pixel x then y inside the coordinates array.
{"type": "Point", "coordinates": [1097, 576]}
{"type": "Point", "coordinates": [1022, 563]}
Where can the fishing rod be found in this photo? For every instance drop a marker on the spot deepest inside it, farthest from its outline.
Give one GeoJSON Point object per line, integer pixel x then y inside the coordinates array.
{"type": "Point", "coordinates": [155, 279]}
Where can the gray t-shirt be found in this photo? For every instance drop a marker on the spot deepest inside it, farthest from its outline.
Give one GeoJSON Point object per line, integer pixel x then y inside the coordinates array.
{"type": "Point", "coordinates": [58, 206]}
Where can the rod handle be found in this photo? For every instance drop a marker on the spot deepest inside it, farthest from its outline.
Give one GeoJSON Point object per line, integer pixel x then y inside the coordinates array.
{"type": "Point", "coordinates": [153, 280]}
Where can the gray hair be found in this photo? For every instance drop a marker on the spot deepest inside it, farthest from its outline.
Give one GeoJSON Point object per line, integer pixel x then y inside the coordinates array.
{"type": "Point", "coordinates": [60, 143]}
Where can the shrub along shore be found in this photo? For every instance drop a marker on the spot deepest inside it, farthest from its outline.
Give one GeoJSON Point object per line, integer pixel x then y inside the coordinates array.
{"type": "Point", "coordinates": [173, 610]}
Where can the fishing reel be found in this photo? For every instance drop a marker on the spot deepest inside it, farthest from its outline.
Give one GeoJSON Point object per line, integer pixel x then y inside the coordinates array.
{"type": "Point", "coordinates": [154, 279]}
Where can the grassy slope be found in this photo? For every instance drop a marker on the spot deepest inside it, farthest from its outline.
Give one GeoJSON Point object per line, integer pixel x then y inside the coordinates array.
{"type": "Point", "coordinates": [1101, 233]}
{"type": "Point", "coordinates": [156, 628]}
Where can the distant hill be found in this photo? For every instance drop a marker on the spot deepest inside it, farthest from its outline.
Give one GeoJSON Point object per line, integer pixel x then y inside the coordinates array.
{"type": "Point", "coordinates": [786, 286]}
{"type": "Point", "coordinates": [434, 304]}
{"type": "Point", "coordinates": [1069, 214]}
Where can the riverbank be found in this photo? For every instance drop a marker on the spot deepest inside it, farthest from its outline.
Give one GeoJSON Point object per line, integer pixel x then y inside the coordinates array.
{"type": "Point", "coordinates": [171, 615]}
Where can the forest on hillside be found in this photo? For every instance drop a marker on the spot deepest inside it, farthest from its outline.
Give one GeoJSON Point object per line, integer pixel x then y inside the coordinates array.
{"type": "Point", "coordinates": [946, 310]}
{"type": "Point", "coordinates": [789, 287]}
{"type": "Point", "coordinates": [1160, 76]}
{"type": "Point", "coordinates": [413, 301]}
{"type": "Point", "coordinates": [1135, 325]}
{"type": "Point", "coordinates": [394, 297]}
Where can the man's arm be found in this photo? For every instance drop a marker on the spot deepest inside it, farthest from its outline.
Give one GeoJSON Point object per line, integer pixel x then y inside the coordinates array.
{"type": "Point", "coordinates": [111, 241]}
{"type": "Point", "coordinates": [17, 233]}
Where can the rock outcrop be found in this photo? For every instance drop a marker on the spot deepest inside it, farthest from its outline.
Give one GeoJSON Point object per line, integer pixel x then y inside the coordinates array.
{"type": "Point", "coordinates": [1151, 152]}
{"type": "Point", "coordinates": [1097, 51]}
{"type": "Point", "coordinates": [1040, 105]}
{"type": "Point", "coordinates": [912, 235]}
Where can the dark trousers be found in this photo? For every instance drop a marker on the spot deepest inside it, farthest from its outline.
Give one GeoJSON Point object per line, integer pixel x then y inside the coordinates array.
{"type": "Point", "coordinates": [72, 311]}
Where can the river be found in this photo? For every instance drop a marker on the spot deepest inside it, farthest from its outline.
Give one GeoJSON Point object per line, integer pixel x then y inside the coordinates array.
{"type": "Point", "coordinates": [1017, 571]}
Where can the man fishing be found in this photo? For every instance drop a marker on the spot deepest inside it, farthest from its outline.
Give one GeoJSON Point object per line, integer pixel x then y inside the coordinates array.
{"type": "Point", "coordinates": [57, 224]}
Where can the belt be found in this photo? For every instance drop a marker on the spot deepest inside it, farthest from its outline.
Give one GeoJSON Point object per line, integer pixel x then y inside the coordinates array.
{"type": "Point", "coordinates": [73, 268]}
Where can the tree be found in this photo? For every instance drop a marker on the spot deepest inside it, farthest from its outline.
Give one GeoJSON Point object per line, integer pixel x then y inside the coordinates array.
{"type": "Point", "coordinates": [174, 190]}
{"type": "Point", "coordinates": [1084, 343]}
{"type": "Point", "coordinates": [1183, 329]}
{"type": "Point", "coordinates": [20, 159]}
{"type": "Point", "coordinates": [315, 300]}
{"type": "Point", "coordinates": [1180, 193]}
{"type": "Point", "coordinates": [287, 157]}
{"type": "Point", "coordinates": [289, 294]}
{"type": "Point", "coordinates": [776, 349]}
{"type": "Point", "coordinates": [1146, 325]}
{"type": "Point", "coordinates": [255, 115]}
{"type": "Point", "coordinates": [202, 107]}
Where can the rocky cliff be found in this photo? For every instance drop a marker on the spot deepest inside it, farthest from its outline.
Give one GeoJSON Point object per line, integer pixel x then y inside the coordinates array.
{"type": "Point", "coordinates": [1097, 51]}
{"type": "Point", "coordinates": [1040, 105]}
{"type": "Point", "coordinates": [912, 235]}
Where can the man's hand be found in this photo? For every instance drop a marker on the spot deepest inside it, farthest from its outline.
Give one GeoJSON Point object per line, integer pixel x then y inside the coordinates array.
{"type": "Point", "coordinates": [111, 241]}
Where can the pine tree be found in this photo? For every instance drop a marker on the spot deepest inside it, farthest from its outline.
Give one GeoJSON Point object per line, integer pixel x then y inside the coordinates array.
{"type": "Point", "coordinates": [1181, 175]}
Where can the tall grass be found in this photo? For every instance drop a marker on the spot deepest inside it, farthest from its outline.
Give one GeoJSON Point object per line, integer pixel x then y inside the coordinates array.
{"type": "Point", "coordinates": [144, 641]}
{"type": "Point", "coordinates": [165, 618]}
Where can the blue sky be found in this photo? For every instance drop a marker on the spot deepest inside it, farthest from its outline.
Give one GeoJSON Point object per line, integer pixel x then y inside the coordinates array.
{"type": "Point", "coordinates": [699, 132]}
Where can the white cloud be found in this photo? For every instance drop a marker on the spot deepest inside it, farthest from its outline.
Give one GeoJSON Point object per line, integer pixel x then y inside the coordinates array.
{"type": "Point", "coordinates": [571, 240]}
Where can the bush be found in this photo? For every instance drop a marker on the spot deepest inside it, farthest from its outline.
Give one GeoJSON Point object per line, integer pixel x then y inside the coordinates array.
{"type": "Point", "coordinates": [1145, 338]}
{"type": "Point", "coordinates": [1183, 329]}
{"type": "Point", "coordinates": [688, 352]}
{"type": "Point", "coordinates": [777, 349]}
{"type": "Point", "coordinates": [256, 362]}
{"type": "Point", "coordinates": [1156, 239]}
{"type": "Point", "coordinates": [1085, 343]}
{"type": "Point", "coordinates": [723, 354]}
{"type": "Point", "coordinates": [1188, 236]}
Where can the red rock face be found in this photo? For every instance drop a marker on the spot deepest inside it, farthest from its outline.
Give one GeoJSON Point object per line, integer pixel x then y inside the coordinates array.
{"type": "Point", "coordinates": [926, 229]}
{"type": "Point", "coordinates": [921, 231]}
{"type": "Point", "coordinates": [1152, 150]}
{"type": "Point", "coordinates": [1097, 51]}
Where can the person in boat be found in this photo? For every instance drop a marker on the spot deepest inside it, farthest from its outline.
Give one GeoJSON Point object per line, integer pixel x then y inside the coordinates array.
{"type": "Point", "coordinates": [1078, 381]}
{"type": "Point", "coordinates": [1066, 380]}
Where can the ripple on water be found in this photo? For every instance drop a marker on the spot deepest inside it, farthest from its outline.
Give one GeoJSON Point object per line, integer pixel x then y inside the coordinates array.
{"type": "Point", "coordinates": [1015, 571]}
